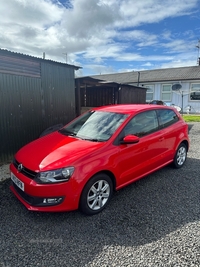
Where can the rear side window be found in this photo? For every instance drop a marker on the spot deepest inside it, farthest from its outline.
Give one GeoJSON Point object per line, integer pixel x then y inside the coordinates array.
{"type": "Point", "coordinates": [167, 117]}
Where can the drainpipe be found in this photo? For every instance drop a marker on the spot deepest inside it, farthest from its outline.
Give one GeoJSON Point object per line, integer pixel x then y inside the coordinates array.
{"type": "Point", "coordinates": [138, 78]}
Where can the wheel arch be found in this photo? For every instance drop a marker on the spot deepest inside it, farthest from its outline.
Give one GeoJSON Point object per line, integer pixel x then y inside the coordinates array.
{"type": "Point", "coordinates": [111, 175]}
{"type": "Point", "coordinates": [107, 172]}
{"type": "Point", "coordinates": [180, 156]}
{"type": "Point", "coordinates": [186, 144]}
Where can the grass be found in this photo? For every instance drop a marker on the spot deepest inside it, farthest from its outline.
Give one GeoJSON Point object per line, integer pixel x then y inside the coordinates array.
{"type": "Point", "coordinates": [191, 118]}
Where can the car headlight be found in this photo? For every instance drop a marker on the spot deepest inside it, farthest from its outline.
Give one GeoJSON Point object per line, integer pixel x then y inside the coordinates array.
{"type": "Point", "coordinates": [54, 176]}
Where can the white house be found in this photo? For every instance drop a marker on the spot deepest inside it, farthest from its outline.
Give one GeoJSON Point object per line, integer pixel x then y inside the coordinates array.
{"type": "Point", "coordinates": [175, 86]}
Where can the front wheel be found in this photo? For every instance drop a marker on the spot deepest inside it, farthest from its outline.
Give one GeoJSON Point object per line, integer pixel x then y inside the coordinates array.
{"type": "Point", "coordinates": [180, 157]}
{"type": "Point", "coordinates": [96, 194]}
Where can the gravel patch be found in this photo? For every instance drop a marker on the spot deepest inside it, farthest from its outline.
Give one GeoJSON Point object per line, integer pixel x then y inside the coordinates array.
{"type": "Point", "coordinates": [4, 172]}
{"type": "Point", "coordinates": [153, 222]}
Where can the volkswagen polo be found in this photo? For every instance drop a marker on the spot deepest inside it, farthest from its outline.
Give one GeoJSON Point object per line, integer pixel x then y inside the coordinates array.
{"type": "Point", "coordinates": [104, 149]}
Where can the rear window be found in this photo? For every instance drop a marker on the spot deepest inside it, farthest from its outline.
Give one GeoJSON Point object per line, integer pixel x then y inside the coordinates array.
{"type": "Point", "coordinates": [167, 117]}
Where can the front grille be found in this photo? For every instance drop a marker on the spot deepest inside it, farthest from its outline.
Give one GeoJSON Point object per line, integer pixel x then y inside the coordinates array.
{"type": "Point", "coordinates": [34, 201]}
{"type": "Point", "coordinates": [22, 194]}
{"type": "Point", "coordinates": [30, 174]}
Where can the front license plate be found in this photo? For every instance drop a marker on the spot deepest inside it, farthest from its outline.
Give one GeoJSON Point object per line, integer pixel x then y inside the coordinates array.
{"type": "Point", "coordinates": [18, 183]}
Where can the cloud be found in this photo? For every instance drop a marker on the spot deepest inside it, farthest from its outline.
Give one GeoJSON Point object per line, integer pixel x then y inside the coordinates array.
{"type": "Point", "coordinates": [177, 64]}
{"type": "Point", "coordinates": [97, 69]}
{"type": "Point", "coordinates": [25, 24]}
{"type": "Point", "coordinates": [179, 45]}
{"type": "Point", "coordinates": [37, 13]}
{"type": "Point", "coordinates": [151, 11]}
{"type": "Point", "coordinates": [88, 18]}
{"type": "Point", "coordinates": [92, 32]}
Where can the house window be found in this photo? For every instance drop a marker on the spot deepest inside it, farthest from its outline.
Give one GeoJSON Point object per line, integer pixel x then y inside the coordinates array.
{"type": "Point", "coordinates": [166, 92]}
{"type": "Point", "coordinates": [195, 91]}
{"type": "Point", "coordinates": [149, 93]}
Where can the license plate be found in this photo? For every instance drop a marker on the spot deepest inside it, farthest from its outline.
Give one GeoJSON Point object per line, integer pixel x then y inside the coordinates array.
{"type": "Point", "coordinates": [18, 183]}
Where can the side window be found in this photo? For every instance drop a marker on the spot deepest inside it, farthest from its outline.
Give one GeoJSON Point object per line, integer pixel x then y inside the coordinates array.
{"type": "Point", "coordinates": [142, 124]}
{"type": "Point", "coordinates": [167, 117]}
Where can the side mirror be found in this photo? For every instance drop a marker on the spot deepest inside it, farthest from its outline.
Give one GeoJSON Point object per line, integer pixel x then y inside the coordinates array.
{"type": "Point", "coordinates": [130, 139]}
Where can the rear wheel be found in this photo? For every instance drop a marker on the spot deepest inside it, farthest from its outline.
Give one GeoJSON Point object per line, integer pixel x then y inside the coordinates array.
{"type": "Point", "coordinates": [180, 157]}
{"type": "Point", "coordinates": [96, 194]}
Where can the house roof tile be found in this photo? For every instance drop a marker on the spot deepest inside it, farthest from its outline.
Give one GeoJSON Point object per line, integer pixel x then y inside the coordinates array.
{"type": "Point", "coordinates": [157, 75]}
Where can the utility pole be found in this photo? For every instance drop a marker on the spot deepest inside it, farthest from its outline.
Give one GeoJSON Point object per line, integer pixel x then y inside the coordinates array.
{"type": "Point", "coordinates": [198, 58]}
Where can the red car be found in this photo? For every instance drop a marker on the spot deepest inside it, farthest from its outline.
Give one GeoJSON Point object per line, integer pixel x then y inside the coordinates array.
{"type": "Point", "coordinates": [102, 150]}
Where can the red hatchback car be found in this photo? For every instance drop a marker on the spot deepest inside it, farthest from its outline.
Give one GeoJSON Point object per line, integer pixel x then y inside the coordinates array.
{"type": "Point", "coordinates": [102, 150]}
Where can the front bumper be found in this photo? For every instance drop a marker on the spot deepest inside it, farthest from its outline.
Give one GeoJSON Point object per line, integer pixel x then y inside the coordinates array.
{"type": "Point", "coordinates": [43, 197]}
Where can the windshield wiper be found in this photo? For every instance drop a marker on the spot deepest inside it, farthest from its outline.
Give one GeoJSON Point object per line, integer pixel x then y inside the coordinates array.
{"type": "Point", "coordinates": [66, 132]}
{"type": "Point", "coordinates": [69, 133]}
{"type": "Point", "coordinates": [92, 139]}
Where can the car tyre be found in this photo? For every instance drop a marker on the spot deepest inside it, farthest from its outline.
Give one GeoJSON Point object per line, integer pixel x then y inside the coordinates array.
{"type": "Point", "coordinates": [181, 156]}
{"type": "Point", "coordinates": [96, 194]}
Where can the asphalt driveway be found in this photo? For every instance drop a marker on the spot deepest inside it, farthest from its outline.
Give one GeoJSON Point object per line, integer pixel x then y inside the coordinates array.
{"type": "Point", "coordinates": [153, 222]}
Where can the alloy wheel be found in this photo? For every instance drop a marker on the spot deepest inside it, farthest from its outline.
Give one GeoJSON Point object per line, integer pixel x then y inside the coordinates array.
{"type": "Point", "coordinates": [98, 195]}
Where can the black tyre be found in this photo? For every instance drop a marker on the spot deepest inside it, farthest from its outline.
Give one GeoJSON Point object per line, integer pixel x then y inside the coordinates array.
{"type": "Point", "coordinates": [96, 194]}
{"type": "Point", "coordinates": [181, 156]}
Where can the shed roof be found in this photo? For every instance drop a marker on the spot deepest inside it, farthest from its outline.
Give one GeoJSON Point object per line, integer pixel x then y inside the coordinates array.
{"type": "Point", "coordinates": [157, 75]}
{"type": "Point", "coordinates": [96, 82]}
{"type": "Point", "coordinates": [6, 53]}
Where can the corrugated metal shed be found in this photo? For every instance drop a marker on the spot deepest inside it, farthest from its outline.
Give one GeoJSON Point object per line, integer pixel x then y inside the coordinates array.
{"type": "Point", "coordinates": [91, 92]}
{"type": "Point", "coordinates": [34, 95]}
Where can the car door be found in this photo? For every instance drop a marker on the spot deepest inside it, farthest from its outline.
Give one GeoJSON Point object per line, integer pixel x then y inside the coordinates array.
{"type": "Point", "coordinates": [136, 160]}
{"type": "Point", "coordinates": [171, 128]}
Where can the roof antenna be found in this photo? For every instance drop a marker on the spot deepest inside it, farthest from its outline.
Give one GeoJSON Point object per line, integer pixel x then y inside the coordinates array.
{"type": "Point", "coordinates": [198, 58]}
{"type": "Point", "coordinates": [65, 56]}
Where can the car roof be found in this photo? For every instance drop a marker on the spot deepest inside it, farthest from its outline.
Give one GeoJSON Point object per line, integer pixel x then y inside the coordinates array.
{"type": "Point", "coordinates": [130, 108]}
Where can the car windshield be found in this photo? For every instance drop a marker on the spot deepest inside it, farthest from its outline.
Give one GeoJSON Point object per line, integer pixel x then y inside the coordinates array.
{"type": "Point", "coordinates": [94, 125]}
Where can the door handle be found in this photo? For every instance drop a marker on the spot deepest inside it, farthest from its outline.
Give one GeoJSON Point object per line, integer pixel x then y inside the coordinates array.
{"type": "Point", "coordinates": [161, 139]}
